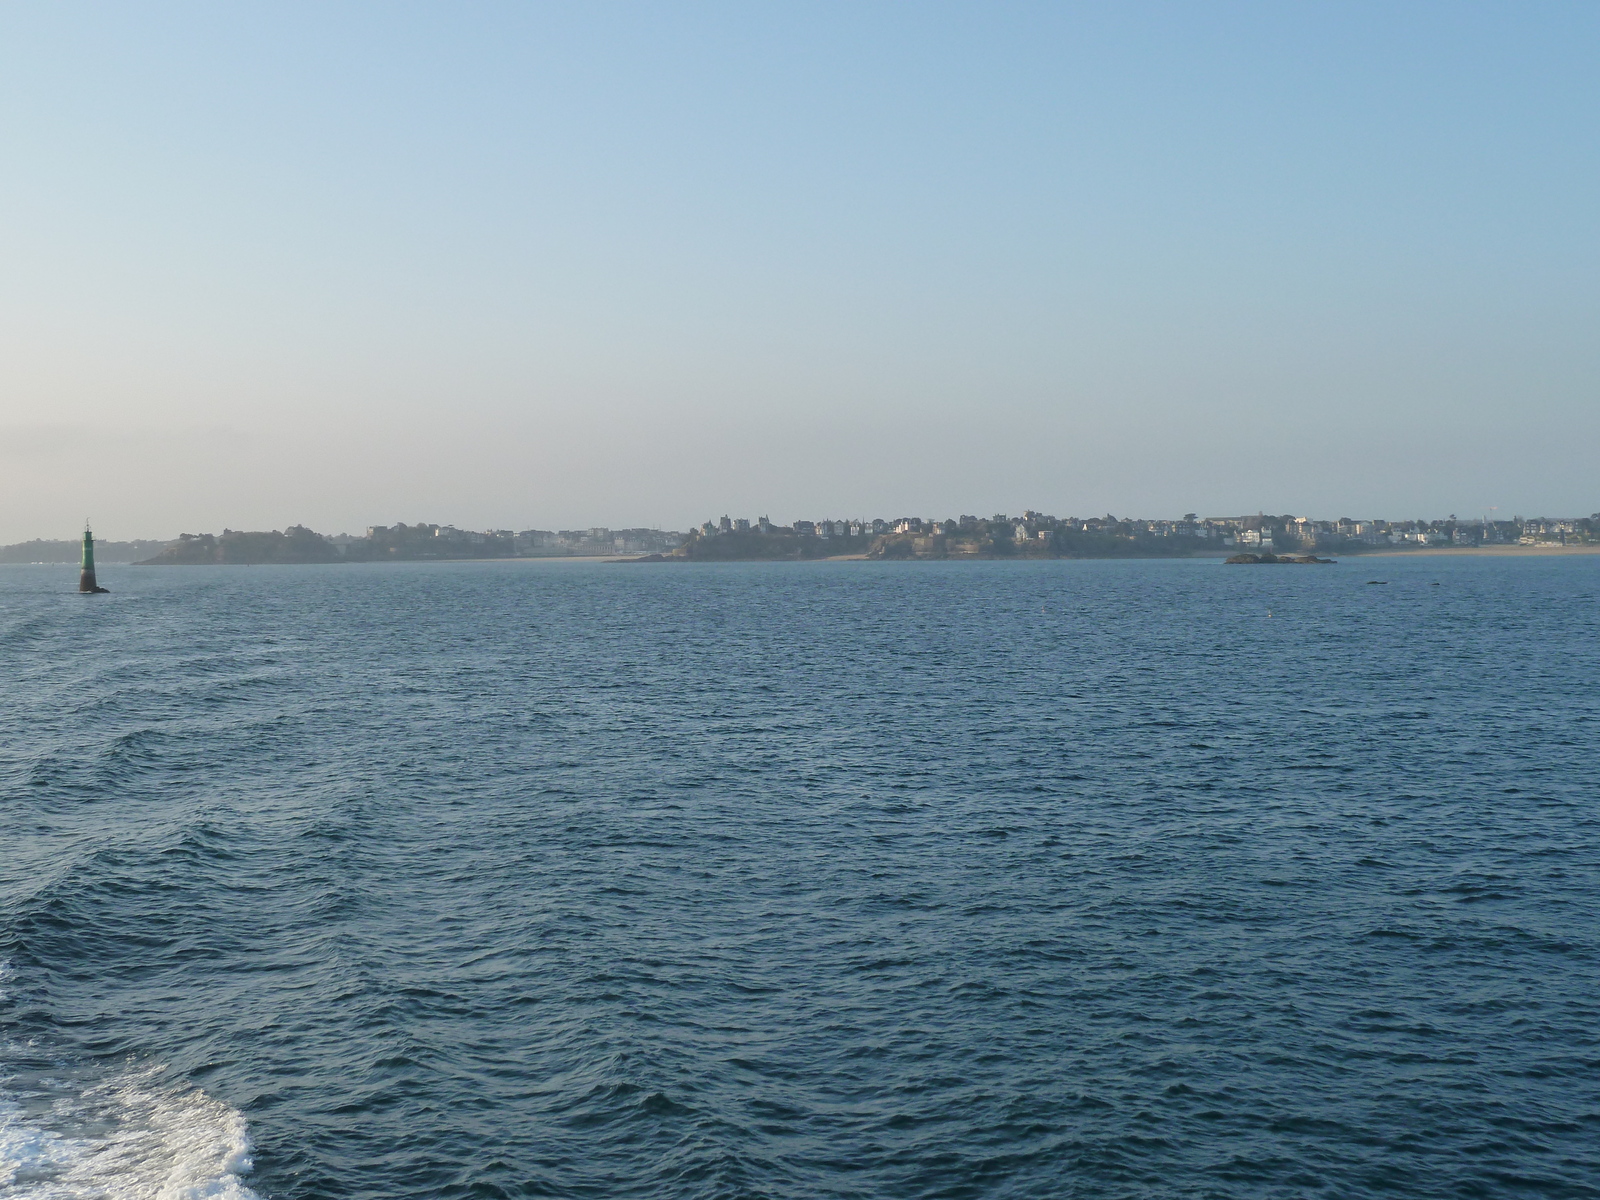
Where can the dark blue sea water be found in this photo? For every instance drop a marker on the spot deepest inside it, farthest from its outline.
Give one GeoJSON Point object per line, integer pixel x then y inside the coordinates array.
{"type": "Point", "coordinates": [1083, 879]}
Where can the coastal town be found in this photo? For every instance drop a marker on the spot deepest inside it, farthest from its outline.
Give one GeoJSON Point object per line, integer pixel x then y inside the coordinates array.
{"type": "Point", "coordinates": [1042, 535]}
{"type": "Point", "coordinates": [1030, 534]}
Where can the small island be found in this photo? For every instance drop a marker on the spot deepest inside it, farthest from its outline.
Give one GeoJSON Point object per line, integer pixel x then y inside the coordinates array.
{"type": "Point", "coordinates": [1245, 560]}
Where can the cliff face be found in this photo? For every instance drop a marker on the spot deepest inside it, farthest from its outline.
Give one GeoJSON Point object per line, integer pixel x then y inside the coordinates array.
{"type": "Point", "coordinates": [297, 544]}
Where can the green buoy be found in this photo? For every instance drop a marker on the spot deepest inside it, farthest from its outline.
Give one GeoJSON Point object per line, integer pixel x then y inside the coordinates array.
{"type": "Point", "coordinates": [86, 581]}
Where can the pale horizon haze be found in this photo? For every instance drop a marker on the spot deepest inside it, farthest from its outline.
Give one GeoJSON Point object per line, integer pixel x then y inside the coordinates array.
{"type": "Point", "coordinates": [561, 265]}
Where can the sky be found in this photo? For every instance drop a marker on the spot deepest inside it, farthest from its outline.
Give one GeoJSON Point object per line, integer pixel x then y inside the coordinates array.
{"type": "Point", "coordinates": [521, 265]}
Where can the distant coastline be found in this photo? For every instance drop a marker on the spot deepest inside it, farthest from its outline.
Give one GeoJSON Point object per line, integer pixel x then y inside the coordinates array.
{"type": "Point", "coordinates": [50, 551]}
{"type": "Point", "coordinates": [1032, 535]}
{"type": "Point", "coordinates": [1041, 535]}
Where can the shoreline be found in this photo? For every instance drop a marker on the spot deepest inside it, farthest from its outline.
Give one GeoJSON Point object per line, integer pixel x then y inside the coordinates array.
{"type": "Point", "coordinates": [1539, 551]}
{"type": "Point", "coordinates": [1510, 551]}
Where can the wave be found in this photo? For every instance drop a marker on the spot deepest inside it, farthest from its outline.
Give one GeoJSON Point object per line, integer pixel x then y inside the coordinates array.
{"type": "Point", "coordinates": [71, 1132]}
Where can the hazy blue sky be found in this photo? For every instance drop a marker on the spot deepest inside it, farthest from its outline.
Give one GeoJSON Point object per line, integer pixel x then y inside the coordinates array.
{"type": "Point", "coordinates": [549, 265]}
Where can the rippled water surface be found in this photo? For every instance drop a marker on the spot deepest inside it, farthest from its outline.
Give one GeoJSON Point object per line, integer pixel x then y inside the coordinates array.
{"type": "Point", "coordinates": [1090, 879]}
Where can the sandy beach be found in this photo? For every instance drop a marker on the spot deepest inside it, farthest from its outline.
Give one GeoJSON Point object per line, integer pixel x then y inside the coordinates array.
{"type": "Point", "coordinates": [1497, 551]}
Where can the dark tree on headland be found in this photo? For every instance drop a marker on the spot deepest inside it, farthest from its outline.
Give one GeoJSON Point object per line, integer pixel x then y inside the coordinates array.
{"type": "Point", "coordinates": [297, 544]}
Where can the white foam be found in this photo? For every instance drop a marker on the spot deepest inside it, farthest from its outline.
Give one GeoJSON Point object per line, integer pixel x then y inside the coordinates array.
{"type": "Point", "coordinates": [126, 1137]}
{"type": "Point", "coordinates": [27, 1151]}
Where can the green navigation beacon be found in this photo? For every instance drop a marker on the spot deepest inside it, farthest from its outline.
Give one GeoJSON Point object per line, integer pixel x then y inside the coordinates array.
{"type": "Point", "coordinates": [86, 581]}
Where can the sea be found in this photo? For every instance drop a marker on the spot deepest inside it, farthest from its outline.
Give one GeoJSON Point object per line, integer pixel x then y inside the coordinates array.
{"type": "Point", "coordinates": [840, 879]}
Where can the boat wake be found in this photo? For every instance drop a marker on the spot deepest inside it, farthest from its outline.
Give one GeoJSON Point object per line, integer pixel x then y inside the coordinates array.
{"type": "Point", "coordinates": [70, 1132]}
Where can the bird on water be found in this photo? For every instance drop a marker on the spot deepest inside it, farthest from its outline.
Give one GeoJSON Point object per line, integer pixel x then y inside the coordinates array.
{"type": "Point", "coordinates": [86, 581]}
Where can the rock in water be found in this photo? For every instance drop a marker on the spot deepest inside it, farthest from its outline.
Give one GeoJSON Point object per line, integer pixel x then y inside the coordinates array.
{"type": "Point", "coordinates": [1251, 559]}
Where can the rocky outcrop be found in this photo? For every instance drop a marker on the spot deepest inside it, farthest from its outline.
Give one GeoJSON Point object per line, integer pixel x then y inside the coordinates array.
{"type": "Point", "coordinates": [1255, 559]}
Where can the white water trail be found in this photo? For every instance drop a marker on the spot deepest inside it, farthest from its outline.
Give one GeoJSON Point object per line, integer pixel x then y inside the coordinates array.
{"type": "Point", "coordinates": [73, 1133]}
{"type": "Point", "coordinates": [126, 1138]}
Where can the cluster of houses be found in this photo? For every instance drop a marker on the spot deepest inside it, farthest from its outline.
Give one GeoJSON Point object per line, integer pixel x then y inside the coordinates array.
{"type": "Point", "coordinates": [1307, 533]}
{"type": "Point", "coordinates": [823, 529]}
{"type": "Point", "coordinates": [596, 540]}
{"type": "Point", "coordinates": [1283, 532]}
{"type": "Point", "coordinates": [1031, 528]}
{"type": "Point", "coordinates": [450, 542]}
{"type": "Point", "coordinates": [1303, 531]}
